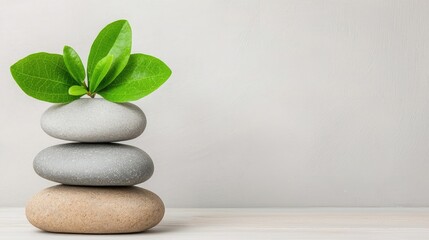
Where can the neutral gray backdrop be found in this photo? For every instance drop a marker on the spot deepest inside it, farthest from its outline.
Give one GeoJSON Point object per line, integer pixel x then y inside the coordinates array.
{"type": "Point", "coordinates": [271, 103]}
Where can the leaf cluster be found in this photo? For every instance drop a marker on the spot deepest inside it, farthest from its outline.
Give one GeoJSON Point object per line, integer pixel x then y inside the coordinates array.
{"type": "Point", "coordinates": [112, 71]}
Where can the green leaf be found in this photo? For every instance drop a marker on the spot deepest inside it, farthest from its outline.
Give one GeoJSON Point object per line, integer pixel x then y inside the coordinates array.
{"type": "Point", "coordinates": [142, 75]}
{"type": "Point", "coordinates": [44, 76]}
{"type": "Point", "coordinates": [77, 90]}
{"type": "Point", "coordinates": [100, 72]}
{"type": "Point", "coordinates": [74, 64]}
{"type": "Point", "coordinates": [114, 39]}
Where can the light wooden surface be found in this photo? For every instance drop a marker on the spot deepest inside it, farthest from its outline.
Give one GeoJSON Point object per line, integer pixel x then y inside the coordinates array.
{"type": "Point", "coordinates": [224, 224]}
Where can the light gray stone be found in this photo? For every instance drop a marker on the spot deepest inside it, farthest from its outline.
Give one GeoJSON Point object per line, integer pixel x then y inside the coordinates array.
{"type": "Point", "coordinates": [94, 120]}
{"type": "Point", "coordinates": [96, 164]}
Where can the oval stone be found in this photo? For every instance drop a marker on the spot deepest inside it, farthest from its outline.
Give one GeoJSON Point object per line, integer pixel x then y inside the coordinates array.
{"type": "Point", "coordinates": [94, 120]}
{"type": "Point", "coordinates": [72, 209]}
{"type": "Point", "coordinates": [96, 164]}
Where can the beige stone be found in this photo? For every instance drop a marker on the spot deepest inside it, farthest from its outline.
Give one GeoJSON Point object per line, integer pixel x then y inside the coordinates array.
{"type": "Point", "coordinates": [75, 209]}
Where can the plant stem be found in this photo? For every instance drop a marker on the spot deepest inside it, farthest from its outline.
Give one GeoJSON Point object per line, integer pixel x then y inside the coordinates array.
{"type": "Point", "coordinates": [92, 95]}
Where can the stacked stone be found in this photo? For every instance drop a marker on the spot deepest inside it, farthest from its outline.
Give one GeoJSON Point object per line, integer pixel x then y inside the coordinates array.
{"type": "Point", "coordinates": [96, 194]}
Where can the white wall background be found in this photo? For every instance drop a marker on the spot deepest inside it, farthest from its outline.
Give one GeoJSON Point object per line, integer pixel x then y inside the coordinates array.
{"type": "Point", "coordinates": [271, 103]}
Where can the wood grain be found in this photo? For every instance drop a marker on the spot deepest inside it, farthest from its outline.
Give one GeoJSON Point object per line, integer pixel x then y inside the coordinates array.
{"type": "Point", "coordinates": [249, 224]}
